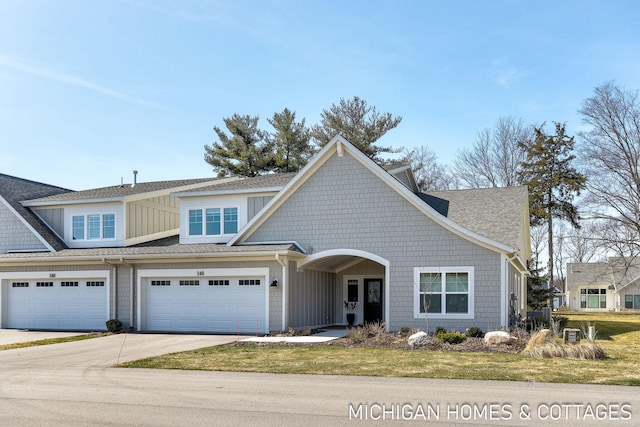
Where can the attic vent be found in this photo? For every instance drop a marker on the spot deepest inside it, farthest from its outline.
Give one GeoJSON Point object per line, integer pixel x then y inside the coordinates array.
{"type": "Point", "coordinates": [135, 178]}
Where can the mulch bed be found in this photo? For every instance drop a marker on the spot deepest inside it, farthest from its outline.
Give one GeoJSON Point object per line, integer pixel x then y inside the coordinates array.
{"type": "Point", "coordinates": [395, 341]}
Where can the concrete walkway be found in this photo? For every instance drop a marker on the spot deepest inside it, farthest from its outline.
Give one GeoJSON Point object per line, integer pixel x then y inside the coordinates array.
{"type": "Point", "coordinates": [328, 335]}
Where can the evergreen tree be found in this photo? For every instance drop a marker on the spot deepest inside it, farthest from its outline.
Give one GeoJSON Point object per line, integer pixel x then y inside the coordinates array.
{"type": "Point", "coordinates": [291, 140]}
{"type": "Point", "coordinates": [246, 152]}
{"type": "Point", "coordinates": [358, 123]}
{"type": "Point", "coordinates": [553, 182]}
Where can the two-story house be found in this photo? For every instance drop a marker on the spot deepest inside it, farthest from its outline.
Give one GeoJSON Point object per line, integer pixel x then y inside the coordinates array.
{"type": "Point", "coordinates": [258, 255]}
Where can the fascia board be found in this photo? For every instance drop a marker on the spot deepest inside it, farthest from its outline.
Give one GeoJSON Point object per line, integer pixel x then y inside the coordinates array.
{"type": "Point", "coordinates": [321, 158]}
{"type": "Point", "coordinates": [26, 224]}
{"type": "Point", "coordinates": [73, 202]}
{"type": "Point", "coordinates": [227, 192]}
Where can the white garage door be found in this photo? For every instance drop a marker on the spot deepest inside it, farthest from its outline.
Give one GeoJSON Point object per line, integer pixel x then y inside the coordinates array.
{"type": "Point", "coordinates": [60, 304]}
{"type": "Point", "coordinates": [221, 304]}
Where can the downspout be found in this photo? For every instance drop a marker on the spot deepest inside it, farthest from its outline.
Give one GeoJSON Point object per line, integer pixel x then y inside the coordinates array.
{"type": "Point", "coordinates": [113, 314]}
{"type": "Point", "coordinates": [285, 291]}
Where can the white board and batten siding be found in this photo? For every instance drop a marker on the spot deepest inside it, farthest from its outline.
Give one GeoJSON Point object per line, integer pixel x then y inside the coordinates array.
{"type": "Point", "coordinates": [61, 300]}
{"type": "Point", "coordinates": [231, 300]}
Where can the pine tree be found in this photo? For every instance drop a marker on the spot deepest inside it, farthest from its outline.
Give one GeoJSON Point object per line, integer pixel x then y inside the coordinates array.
{"type": "Point", "coordinates": [358, 123]}
{"type": "Point", "coordinates": [553, 182]}
{"type": "Point", "coordinates": [246, 152]}
{"type": "Point", "coordinates": [291, 140]}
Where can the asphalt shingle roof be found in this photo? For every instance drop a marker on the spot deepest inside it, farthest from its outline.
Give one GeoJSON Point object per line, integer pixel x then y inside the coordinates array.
{"type": "Point", "coordinates": [14, 190]}
{"type": "Point", "coordinates": [163, 247]}
{"type": "Point", "coordinates": [495, 213]}
{"type": "Point", "coordinates": [119, 191]}
{"type": "Point", "coordinates": [276, 180]}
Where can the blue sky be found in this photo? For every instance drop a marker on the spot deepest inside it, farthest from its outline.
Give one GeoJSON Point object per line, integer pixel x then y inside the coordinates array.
{"type": "Point", "coordinates": [91, 90]}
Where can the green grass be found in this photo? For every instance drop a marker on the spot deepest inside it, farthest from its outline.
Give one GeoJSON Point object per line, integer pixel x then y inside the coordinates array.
{"type": "Point", "coordinates": [48, 341]}
{"type": "Point", "coordinates": [618, 334]}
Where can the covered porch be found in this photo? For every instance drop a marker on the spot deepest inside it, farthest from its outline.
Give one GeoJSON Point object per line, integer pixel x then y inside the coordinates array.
{"type": "Point", "coordinates": [330, 287]}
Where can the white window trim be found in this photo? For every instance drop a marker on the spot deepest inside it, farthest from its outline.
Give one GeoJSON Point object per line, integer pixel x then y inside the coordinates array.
{"type": "Point", "coordinates": [86, 227]}
{"type": "Point", "coordinates": [443, 270]}
{"type": "Point", "coordinates": [203, 210]}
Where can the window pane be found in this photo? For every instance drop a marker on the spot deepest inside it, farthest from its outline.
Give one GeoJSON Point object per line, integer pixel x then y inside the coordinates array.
{"type": "Point", "coordinates": [583, 291]}
{"type": "Point", "coordinates": [78, 228]}
{"type": "Point", "coordinates": [457, 282]}
{"type": "Point", "coordinates": [593, 291]}
{"type": "Point", "coordinates": [457, 303]}
{"type": "Point", "coordinates": [603, 301]}
{"type": "Point", "coordinates": [430, 282]}
{"type": "Point", "coordinates": [433, 301]}
{"type": "Point", "coordinates": [93, 227]}
{"type": "Point", "coordinates": [195, 222]}
{"type": "Point", "coordinates": [628, 301]}
{"type": "Point", "coordinates": [109, 226]}
{"type": "Point", "coordinates": [583, 300]}
{"type": "Point", "coordinates": [230, 220]}
{"type": "Point", "coordinates": [636, 303]}
{"type": "Point", "coordinates": [593, 301]}
{"type": "Point", "coordinates": [213, 222]}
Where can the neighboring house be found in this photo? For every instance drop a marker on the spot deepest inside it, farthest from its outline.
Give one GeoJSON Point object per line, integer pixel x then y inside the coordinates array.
{"type": "Point", "coordinates": [604, 286]}
{"type": "Point", "coordinates": [260, 255]}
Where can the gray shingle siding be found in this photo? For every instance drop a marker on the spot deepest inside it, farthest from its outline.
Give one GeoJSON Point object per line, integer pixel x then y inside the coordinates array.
{"type": "Point", "coordinates": [15, 235]}
{"type": "Point", "coordinates": [343, 205]}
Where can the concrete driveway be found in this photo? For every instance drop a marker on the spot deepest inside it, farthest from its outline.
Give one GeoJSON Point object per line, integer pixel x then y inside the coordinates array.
{"type": "Point", "coordinates": [99, 352]}
{"type": "Point", "coordinates": [14, 336]}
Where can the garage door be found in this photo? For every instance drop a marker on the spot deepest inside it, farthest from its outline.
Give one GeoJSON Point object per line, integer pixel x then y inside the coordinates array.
{"type": "Point", "coordinates": [220, 304]}
{"type": "Point", "coordinates": [59, 305]}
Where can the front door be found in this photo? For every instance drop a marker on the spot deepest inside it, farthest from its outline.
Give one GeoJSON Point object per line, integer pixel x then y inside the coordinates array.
{"type": "Point", "coordinates": [372, 300]}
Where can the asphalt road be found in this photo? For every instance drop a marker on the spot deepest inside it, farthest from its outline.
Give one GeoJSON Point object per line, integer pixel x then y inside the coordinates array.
{"type": "Point", "coordinates": [71, 384]}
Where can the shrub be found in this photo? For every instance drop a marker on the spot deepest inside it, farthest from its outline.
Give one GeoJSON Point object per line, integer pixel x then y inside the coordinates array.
{"type": "Point", "coordinates": [474, 332]}
{"type": "Point", "coordinates": [374, 329]}
{"type": "Point", "coordinates": [452, 337]}
{"type": "Point", "coordinates": [439, 330]}
{"type": "Point", "coordinates": [404, 331]}
{"type": "Point", "coordinates": [114, 325]}
{"type": "Point", "coordinates": [357, 335]}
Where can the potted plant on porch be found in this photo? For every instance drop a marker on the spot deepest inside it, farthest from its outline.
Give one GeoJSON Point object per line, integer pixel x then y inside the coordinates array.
{"type": "Point", "coordinates": [351, 316]}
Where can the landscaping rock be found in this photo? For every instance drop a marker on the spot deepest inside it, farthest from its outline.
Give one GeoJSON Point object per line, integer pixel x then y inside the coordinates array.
{"type": "Point", "coordinates": [420, 339]}
{"type": "Point", "coordinates": [498, 337]}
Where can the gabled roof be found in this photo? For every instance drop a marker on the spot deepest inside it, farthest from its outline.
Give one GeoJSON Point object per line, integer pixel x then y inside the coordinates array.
{"type": "Point", "coordinates": [495, 213]}
{"type": "Point", "coordinates": [13, 190]}
{"type": "Point", "coordinates": [339, 145]}
{"type": "Point", "coordinates": [121, 192]}
{"type": "Point", "coordinates": [588, 274]}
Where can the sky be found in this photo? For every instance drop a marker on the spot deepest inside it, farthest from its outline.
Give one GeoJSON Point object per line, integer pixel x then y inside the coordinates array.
{"type": "Point", "coordinates": [92, 90]}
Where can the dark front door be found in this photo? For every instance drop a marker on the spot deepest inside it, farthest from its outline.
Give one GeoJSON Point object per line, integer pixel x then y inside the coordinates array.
{"type": "Point", "coordinates": [373, 300]}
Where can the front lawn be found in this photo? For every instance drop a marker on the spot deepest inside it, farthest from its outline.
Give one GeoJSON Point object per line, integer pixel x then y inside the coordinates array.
{"type": "Point", "coordinates": [618, 334]}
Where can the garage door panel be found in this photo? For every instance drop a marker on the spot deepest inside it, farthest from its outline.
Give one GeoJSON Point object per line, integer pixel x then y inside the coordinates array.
{"type": "Point", "coordinates": [49, 305]}
{"type": "Point", "coordinates": [217, 307]}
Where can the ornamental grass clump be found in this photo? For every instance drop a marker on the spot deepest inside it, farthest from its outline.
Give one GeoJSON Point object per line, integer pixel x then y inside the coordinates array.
{"type": "Point", "coordinates": [544, 344]}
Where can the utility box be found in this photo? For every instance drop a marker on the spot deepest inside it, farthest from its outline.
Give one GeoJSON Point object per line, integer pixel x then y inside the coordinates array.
{"type": "Point", "coordinates": [571, 336]}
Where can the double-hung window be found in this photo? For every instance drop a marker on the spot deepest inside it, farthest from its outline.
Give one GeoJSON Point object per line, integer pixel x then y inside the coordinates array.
{"type": "Point", "coordinates": [632, 302]}
{"type": "Point", "coordinates": [445, 292]}
{"type": "Point", "coordinates": [213, 221]}
{"type": "Point", "coordinates": [93, 227]}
